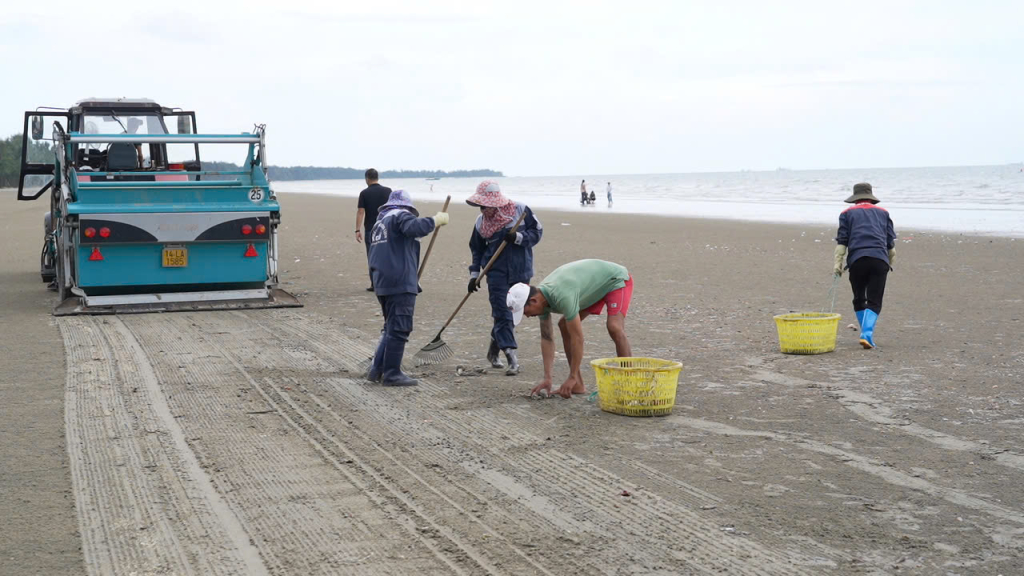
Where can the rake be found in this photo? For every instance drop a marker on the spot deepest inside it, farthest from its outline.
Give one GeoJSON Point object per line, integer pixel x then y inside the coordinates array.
{"type": "Point", "coordinates": [437, 350]}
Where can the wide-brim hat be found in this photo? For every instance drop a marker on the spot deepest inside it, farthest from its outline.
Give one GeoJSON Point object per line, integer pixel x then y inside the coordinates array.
{"type": "Point", "coordinates": [861, 192]}
{"type": "Point", "coordinates": [488, 195]}
{"type": "Point", "coordinates": [400, 199]}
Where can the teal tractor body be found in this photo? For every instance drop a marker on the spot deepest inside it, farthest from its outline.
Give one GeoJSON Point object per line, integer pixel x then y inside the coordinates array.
{"type": "Point", "coordinates": [135, 223]}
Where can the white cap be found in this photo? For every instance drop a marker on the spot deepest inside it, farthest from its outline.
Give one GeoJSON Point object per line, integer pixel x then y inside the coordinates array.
{"type": "Point", "coordinates": [516, 301]}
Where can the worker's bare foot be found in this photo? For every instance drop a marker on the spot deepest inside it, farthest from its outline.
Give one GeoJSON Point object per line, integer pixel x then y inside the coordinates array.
{"type": "Point", "coordinates": [579, 388]}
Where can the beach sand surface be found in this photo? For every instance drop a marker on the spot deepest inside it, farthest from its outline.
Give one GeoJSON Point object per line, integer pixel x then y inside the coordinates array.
{"type": "Point", "coordinates": [246, 442]}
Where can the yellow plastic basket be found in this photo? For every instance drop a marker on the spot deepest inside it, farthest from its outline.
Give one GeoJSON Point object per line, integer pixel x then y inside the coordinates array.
{"type": "Point", "coordinates": [807, 332]}
{"type": "Point", "coordinates": [636, 386]}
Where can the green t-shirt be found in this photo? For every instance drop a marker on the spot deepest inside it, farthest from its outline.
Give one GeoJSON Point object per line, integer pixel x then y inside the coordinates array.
{"type": "Point", "coordinates": [579, 285]}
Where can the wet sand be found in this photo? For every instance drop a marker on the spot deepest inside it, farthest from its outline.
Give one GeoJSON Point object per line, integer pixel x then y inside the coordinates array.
{"type": "Point", "coordinates": [902, 458]}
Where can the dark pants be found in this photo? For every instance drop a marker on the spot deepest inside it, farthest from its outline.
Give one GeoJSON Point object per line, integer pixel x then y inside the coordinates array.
{"type": "Point", "coordinates": [366, 242]}
{"type": "Point", "coordinates": [503, 331]}
{"type": "Point", "coordinates": [867, 277]}
{"type": "Point", "coordinates": [398, 311]}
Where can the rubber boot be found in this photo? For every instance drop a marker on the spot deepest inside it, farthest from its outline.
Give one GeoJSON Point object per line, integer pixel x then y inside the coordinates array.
{"type": "Point", "coordinates": [492, 355]}
{"type": "Point", "coordinates": [393, 376]}
{"type": "Point", "coordinates": [867, 328]}
{"type": "Point", "coordinates": [513, 362]}
{"type": "Point", "coordinates": [373, 374]}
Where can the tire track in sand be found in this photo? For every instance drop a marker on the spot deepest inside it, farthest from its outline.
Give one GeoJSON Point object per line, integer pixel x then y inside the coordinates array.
{"type": "Point", "coordinates": [526, 473]}
{"type": "Point", "coordinates": [308, 514]}
{"type": "Point", "coordinates": [144, 504]}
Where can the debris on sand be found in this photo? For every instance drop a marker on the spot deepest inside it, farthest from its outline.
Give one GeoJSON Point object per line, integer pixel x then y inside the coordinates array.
{"type": "Point", "coordinates": [851, 326]}
{"type": "Point", "coordinates": [466, 371]}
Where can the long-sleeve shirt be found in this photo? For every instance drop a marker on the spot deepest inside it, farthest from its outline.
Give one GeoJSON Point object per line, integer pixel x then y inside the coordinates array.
{"type": "Point", "coordinates": [516, 262]}
{"type": "Point", "coordinates": [866, 230]}
{"type": "Point", "coordinates": [395, 252]}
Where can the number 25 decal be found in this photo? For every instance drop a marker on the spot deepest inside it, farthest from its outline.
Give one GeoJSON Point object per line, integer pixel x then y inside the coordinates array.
{"type": "Point", "coordinates": [256, 195]}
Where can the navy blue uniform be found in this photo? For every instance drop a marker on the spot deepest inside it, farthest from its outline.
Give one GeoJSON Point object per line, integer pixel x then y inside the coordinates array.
{"type": "Point", "coordinates": [513, 266]}
{"type": "Point", "coordinates": [394, 261]}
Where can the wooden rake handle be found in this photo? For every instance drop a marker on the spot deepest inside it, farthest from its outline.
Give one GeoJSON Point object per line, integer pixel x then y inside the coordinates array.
{"type": "Point", "coordinates": [423, 265]}
{"type": "Point", "coordinates": [484, 272]}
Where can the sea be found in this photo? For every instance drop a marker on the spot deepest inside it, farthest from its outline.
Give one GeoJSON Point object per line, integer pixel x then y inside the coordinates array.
{"type": "Point", "coordinates": [981, 200]}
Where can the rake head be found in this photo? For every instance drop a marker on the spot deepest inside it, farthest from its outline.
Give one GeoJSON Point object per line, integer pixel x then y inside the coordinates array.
{"type": "Point", "coordinates": [436, 351]}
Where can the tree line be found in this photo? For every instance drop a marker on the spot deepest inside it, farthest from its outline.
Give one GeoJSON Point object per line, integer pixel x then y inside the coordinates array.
{"type": "Point", "coordinates": [342, 173]}
{"type": "Point", "coordinates": [41, 151]}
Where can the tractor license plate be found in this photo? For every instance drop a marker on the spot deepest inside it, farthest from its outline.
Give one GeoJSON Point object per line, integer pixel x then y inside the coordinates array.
{"type": "Point", "coordinates": [175, 257]}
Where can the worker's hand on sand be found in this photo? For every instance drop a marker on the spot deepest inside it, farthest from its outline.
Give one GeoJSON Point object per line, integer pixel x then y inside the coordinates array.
{"type": "Point", "coordinates": [565, 391]}
{"type": "Point", "coordinates": [473, 286]}
{"type": "Point", "coordinates": [892, 256]}
{"type": "Point", "coordinates": [440, 219]}
{"type": "Point", "coordinates": [840, 258]}
{"type": "Point", "coordinates": [544, 385]}
{"type": "Point", "coordinates": [359, 236]}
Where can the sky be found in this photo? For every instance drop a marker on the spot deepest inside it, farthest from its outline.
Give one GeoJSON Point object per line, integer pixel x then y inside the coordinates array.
{"type": "Point", "coordinates": [548, 88]}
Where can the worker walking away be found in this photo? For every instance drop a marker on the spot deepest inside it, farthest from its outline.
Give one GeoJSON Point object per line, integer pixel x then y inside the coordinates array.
{"type": "Point", "coordinates": [514, 265]}
{"type": "Point", "coordinates": [370, 201]}
{"type": "Point", "coordinates": [575, 290]}
{"type": "Point", "coordinates": [394, 260]}
{"type": "Point", "coordinates": [867, 241]}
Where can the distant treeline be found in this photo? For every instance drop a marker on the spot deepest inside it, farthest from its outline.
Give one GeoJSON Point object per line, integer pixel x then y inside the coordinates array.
{"type": "Point", "coordinates": [10, 158]}
{"type": "Point", "coordinates": [340, 173]}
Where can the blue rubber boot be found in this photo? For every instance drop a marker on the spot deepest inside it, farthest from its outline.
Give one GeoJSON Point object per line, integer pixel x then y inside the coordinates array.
{"type": "Point", "coordinates": [377, 364]}
{"type": "Point", "coordinates": [394, 349]}
{"type": "Point", "coordinates": [867, 328]}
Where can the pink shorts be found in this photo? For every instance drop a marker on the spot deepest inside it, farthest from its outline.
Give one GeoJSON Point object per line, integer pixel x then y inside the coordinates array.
{"type": "Point", "coordinates": [617, 301]}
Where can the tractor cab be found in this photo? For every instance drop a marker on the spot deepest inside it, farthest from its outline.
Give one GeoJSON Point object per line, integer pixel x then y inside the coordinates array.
{"type": "Point", "coordinates": [127, 116]}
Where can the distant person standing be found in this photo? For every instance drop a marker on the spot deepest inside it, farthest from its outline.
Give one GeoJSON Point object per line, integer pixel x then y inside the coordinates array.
{"type": "Point", "coordinates": [583, 192]}
{"type": "Point", "coordinates": [609, 194]}
{"type": "Point", "coordinates": [370, 201]}
{"type": "Point", "coordinates": [867, 241]}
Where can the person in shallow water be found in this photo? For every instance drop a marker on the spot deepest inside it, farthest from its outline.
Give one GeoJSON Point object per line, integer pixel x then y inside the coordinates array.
{"type": "Point", "coordinates": [498, 214]}
{"type": "Point", "coordinates": [575, 290]}
{"type": "Point", "coordinates": [867, 242]}
{"type": "Point", "coordinates": [394, 261]}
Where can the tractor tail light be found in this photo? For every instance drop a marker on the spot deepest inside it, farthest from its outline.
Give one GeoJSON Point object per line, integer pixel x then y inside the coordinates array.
{"type": "Point", "coordinates": [105, 232]}
{"type": "Point", "coordinates": [90, 232]}
{"type": "Point", "coordinates": [246, 229]}
{"type": "Point", "coordinates": [261, 229]}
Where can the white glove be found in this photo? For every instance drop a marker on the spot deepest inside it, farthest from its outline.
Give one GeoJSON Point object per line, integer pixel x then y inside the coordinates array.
{"type": "Point", "coordinates": [440, 219]}
{"type": "Point", "coordinates": [840, 258]}
{"type": "Point", "coordinates": [892, 256]}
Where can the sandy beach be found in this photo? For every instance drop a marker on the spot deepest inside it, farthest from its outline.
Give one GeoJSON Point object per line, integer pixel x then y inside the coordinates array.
{"type": "Point", "coordinates": [186, 430]}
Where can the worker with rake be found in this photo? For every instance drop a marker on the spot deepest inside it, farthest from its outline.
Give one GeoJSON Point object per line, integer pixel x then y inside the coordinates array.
{"type": "Point", "coordinates": [394, 260]}
{"type": "Point", "coordinates": [867, 241]}
{"type": "Point", "coordinates": [495, 224]}
{"type": "Point", "coordinates": [575, 290]}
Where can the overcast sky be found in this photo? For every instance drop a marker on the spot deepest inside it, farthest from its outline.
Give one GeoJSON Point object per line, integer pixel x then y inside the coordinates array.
{"type": "Point", "coordinates": [549, 88]}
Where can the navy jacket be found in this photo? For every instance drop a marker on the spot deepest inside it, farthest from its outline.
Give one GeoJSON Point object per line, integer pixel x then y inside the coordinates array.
{"type": "Point", "coordinates": [866, 230]}
{"type": "Point", "coordinates": [395, 252]}
{"type": "Point", "coordinates": [516, 262]}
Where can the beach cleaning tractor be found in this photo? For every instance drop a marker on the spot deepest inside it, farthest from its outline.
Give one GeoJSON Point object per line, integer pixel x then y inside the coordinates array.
{"type": "Point", "coordinates": [135, 224]}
